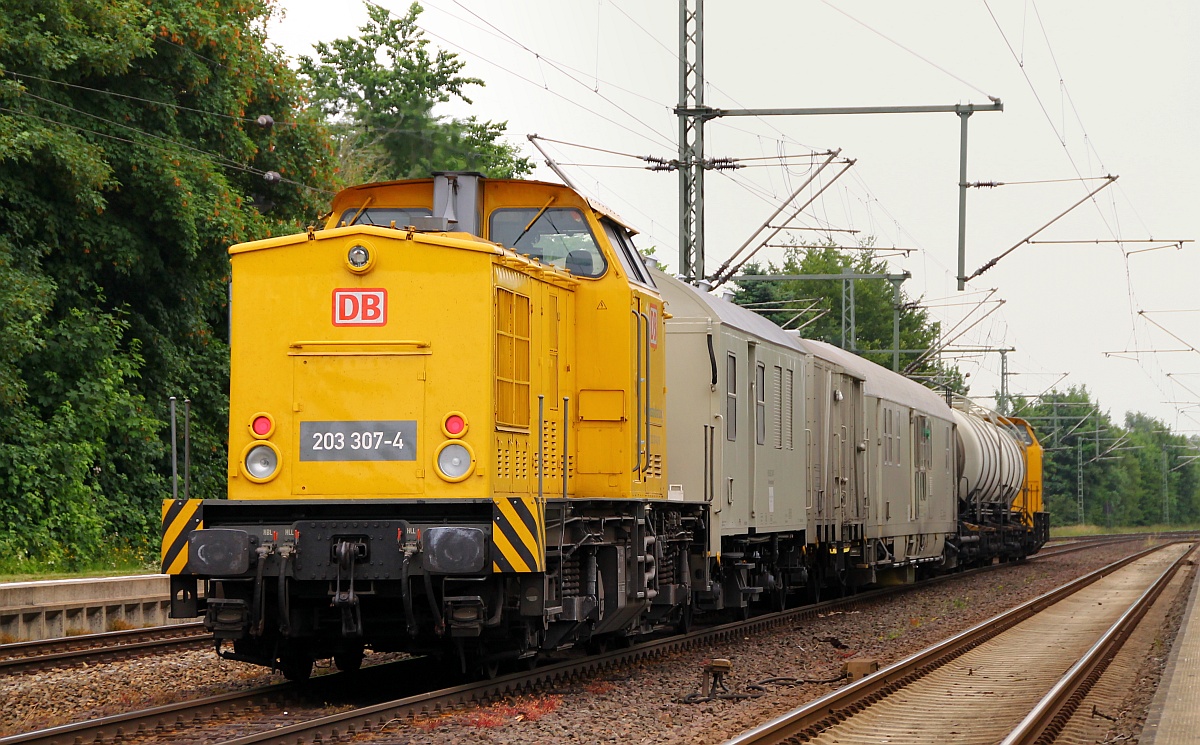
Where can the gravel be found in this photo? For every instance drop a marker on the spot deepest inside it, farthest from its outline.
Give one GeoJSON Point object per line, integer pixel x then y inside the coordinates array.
{"type": "Point", "coordinates": [642, 704]}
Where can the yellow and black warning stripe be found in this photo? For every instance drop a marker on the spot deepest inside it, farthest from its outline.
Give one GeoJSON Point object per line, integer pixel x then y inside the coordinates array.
{"type": "Point", "coordinates": [518, 535]}
{"type": "Point", "coordinates": [179, 518]}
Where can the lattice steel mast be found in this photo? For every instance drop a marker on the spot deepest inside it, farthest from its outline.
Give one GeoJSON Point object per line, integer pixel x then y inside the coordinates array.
{"type": "Point", "coordinates": [691, 139]}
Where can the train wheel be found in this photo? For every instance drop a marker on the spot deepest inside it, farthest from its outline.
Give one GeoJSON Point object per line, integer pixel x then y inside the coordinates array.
{"type": "Point", "coordinates": [349, 661]}
{"type": "Point", "coordinates": [296, 665]}
{"type": "Point", "coordinates": [779, 596]}
{"type": "Point", "coordinates": [489, 668]}
{"type": "Point", "coordinates": [812, 590]}
{"type": "Point", "coordinates": [684, 624]}
{"type": "Point", "coordinates": [527, 664]}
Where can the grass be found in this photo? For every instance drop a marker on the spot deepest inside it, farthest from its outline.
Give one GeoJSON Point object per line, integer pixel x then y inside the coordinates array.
{"type": "Point", "coordinates": [121, 562]}
{"type": "Point", "coordinates": [1075, 531]}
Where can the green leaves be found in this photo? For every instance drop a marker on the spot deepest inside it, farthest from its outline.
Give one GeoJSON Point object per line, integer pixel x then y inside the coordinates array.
{"type": "Point", "coordinates": [129, 162]}
{"type": "Point", "coordinates": [871, 335]}
{"type": "Point", "coordinates": [1136, 474]}
{"type": "Point", "coordinates": [379, 91]}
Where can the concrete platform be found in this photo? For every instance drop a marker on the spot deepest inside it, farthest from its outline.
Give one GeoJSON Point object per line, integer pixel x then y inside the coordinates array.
{"type": "Point", "coordinates": [1174, 717]}
{"type": "Point", "coordinates": [47, 609]}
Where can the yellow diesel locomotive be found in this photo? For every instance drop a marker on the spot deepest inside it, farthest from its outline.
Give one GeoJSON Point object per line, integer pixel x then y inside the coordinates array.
{"type": "Point", "coordinates": [420, 392]}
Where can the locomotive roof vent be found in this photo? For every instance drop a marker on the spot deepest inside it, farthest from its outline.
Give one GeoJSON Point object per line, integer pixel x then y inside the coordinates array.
{"type": "Point", "coordinates": [456, 203]}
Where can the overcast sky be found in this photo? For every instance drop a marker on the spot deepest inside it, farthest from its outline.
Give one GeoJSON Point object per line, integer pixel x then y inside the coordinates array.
{"type": "Point", "coordinates": [1090, 87]}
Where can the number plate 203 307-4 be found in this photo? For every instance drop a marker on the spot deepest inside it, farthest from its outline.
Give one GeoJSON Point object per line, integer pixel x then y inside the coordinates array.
{"type": "Point", "coordinates": [370, 441]}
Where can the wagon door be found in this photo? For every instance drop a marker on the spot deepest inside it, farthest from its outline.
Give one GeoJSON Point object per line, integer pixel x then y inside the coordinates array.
{"type": "Point", "coordinates": [817, 443]}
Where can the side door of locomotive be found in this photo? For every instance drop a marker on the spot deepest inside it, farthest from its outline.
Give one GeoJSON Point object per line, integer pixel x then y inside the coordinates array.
{"type": "Point", "coordinates": [648, 375]}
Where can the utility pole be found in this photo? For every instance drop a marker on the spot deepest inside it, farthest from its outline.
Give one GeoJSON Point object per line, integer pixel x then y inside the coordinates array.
{"type": "Point", "coordinates": [1079, 476]}
{"type": "Point", "coordinates": [691, 139]}
{"type": "Point", "coordinates": [693, 114]}
{"type": "Point", "coordinates": [1002, 404]}
{"type": "Point", "coordinates": [1166, 501]}
{"type": "Point", "coordinates": [1054, 411]}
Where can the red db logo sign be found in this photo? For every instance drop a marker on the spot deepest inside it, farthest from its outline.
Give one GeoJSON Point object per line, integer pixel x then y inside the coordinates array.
{"type": "Point", "coordinates": [360, 307]}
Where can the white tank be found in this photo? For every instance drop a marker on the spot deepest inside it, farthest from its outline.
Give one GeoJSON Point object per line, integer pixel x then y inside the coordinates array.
{"type": "Point", "coordinates": [991, 463]}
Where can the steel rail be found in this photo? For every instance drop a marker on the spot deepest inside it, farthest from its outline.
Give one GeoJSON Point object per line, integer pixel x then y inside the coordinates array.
{"type": "Point", "coordinates": [843, 703]}
{"type": "Point", "coordinates": [122, 727]}
{"type": "Point", "coordinates": [1048, 717]}
{"type": "Point", "coordinates": [40, 654]}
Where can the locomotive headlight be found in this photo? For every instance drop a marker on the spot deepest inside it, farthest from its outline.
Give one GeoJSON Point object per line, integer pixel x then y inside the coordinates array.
{"type": "Point", "coordinates": [455, 461]}
{"type": "Point", "coordinates": [358, 257]}
{"type": "Point", "coordinates": [261, 462]}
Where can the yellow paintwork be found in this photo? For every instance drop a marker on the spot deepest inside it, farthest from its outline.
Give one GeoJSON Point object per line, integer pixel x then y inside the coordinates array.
{"type": "Point", "coordinates": [1029, 501]}
{"type": "Point", "coordinates": [436, 354]}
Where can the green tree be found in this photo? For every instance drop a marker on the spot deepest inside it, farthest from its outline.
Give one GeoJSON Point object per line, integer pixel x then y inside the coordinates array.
{"type": "Point", "coordinates": [379, 91]}
{"type": "Point", "coordinates": [874, 303]}
{"type": "Point", "coordinates": [129, 161]}
{"type": "Point", "coordinates": [1121, 469]}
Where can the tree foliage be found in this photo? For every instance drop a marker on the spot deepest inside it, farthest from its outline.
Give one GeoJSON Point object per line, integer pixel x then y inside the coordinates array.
{"type": "Point", "coordinates": [873, 306]}
{"type": "Point", "coordinates": [1131, 473]}
{"type": "Point", "coordinates": [129, 162]}
{"type": "Point", "coordinates": [379, 91]}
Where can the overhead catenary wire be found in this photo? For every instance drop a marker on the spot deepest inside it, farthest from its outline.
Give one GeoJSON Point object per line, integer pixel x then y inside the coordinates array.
{"type": "Point", "coordinates": [924, 59]}
{"type": "Point", "coordinates": [1089, 146]}
{"type": "Point", "coordinates": [1023, 241]}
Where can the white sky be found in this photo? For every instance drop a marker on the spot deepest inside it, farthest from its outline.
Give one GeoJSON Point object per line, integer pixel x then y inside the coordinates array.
{"type": "Point", "coordinates": [1117, 83]}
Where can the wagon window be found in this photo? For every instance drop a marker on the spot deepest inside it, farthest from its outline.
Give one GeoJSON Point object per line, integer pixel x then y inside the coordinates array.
{"type": "Point", "coordinates": [731, 398]}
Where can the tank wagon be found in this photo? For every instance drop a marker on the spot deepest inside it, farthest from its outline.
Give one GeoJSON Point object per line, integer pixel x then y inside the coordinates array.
{"type": "Point", "coordinates": [466, 419]}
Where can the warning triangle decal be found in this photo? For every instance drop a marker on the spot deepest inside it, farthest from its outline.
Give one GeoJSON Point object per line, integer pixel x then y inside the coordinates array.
{"type": "Point", "coordinates": [601, 306]}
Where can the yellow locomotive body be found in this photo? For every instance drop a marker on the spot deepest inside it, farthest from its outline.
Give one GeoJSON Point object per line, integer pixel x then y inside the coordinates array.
{"type": "Point", "coordinates": [420, 391]}
{"type": "Point", "coordinates": [436, 324]}
{"type": "Point", "coordinates": [1028, 504]}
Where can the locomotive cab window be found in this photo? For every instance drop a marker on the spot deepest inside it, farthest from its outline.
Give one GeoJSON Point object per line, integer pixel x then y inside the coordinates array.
{"type": "Point", "coordinates": [629, 257]}
{"type": "Point", "coordinates": [382, 216]}
{"type": "Point", "coordinates": [555, 235]}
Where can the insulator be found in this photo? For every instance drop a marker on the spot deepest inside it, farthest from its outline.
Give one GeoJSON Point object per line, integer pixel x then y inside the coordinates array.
{"type": "Point", "coordinates": [265, 121]}
{"type": "Point", "coordinates": [272, 177]}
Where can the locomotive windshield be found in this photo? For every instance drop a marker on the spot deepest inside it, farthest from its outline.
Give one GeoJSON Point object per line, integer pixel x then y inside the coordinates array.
{"type": "Point", "coordinates": [558, 236]}
{"type": "Point", "coordinates": [382, 216]}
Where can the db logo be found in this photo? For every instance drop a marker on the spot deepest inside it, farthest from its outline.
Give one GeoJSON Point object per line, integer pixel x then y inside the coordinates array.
{"type": "Point", "coordinates": [360, 307]}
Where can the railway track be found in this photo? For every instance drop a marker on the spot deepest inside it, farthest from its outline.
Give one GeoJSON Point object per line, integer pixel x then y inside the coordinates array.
{"type": "Point", "coordinates": [235, 717]}
{"type": "Point", "coordinates": [1015, 668]}
{"type": "Point", "coordinates": [43, 654]}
